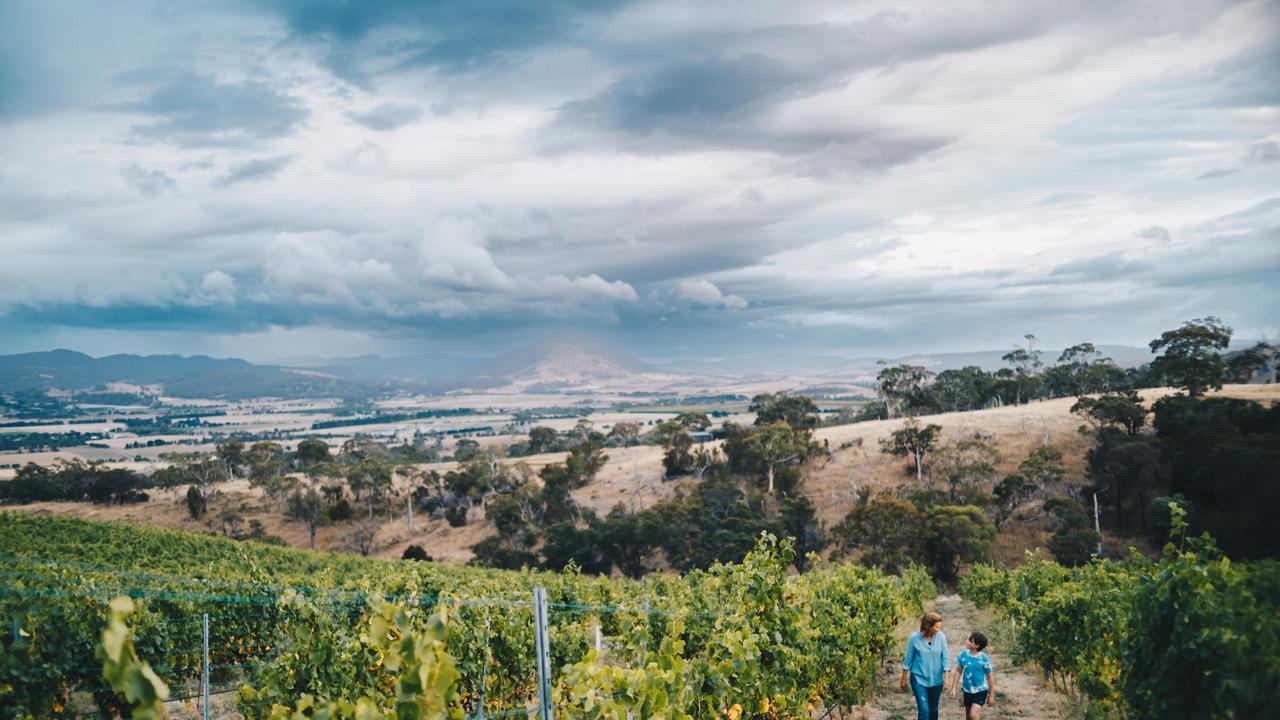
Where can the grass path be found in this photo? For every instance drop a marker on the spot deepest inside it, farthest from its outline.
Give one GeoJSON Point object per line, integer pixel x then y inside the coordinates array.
{"type": "Point", "coordinates": [1020, 691]}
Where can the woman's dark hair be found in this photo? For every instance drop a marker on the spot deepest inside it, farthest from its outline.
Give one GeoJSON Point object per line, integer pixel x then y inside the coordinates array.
{"type": "Point", "coordinates": [979, 639]}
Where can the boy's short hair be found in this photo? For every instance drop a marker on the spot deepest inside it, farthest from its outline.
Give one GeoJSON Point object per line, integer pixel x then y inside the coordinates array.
{"type": "Point", "coordinates": [978, 639]}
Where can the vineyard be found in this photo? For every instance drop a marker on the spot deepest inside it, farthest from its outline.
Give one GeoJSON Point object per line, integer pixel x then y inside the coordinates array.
{"type": "Point", "coordinates": [1193, 634]}
{"type": "Point", "coordinates": [298, 634]}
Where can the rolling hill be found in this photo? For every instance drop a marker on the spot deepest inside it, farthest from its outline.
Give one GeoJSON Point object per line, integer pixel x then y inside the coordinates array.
{"type": "Point", "coordinates": [197, 376]}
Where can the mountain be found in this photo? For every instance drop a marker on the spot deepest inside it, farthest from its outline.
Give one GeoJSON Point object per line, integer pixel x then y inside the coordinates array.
{"type": "Point", "coordinates": [198, 376]}
{"type": "Point", "coordinates": [769, 361]}
{"type": "Point", "coordinates": [559, 361]}
{"type": "Point", "coordinates": [568, 360]}
{"type": "Point", "coordinates": [70, 370]}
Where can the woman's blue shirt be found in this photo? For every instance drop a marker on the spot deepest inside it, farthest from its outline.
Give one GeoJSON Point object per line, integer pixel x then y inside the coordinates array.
{"type": "Point", "coordinates": [927, 660]}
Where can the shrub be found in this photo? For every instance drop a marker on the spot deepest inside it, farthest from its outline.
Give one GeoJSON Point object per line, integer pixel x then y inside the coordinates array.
{"type": "Point", "coordinates": [955, 535]}
{"type": "Point", "coordinates": [197, 503]}
{"type": "Point", "coordinates": [415, 552]}
{"type": "Point", "coordinates": [456, 515]}
{"type": "Point", "coordinates": [340, 510]}
{"type": "Point", "coordinates": [1073, 547]}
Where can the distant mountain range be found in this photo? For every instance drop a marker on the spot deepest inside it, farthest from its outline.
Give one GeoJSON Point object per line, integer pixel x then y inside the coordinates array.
{"type": "Point", "coordinates": [561, 361]}
{"type": "Point", "coordinates": [198, 376]}
{"type": "Point", "coordinates": [564, 361]}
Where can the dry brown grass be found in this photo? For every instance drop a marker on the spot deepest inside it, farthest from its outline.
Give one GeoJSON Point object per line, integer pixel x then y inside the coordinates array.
{"type": "Point", "coordinates": [633, 477]}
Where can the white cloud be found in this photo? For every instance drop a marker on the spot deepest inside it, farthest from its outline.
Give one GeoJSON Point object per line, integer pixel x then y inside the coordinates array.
{"type": "Point", "coordinates": [454, 256]}
{"type": "Point", "coordinates": [216, 288]}
{"type": "Point", "coordinates": [312, 268]}
{"type": "Point", "coordinates": [704, 292]}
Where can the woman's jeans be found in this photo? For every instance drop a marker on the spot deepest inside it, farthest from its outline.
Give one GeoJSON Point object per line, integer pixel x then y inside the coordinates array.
{"type": "Point", "coordinates": [927, 700]}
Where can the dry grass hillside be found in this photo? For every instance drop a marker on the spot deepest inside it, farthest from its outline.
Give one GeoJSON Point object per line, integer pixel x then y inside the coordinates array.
{"type": "Point", "coordinates": [633, 477]}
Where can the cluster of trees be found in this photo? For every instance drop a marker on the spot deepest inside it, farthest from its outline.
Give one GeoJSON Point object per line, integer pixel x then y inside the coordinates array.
{"type": "Point", "coordinates": [44, 442]}
{"type": "Point", "coordinates": [36, 405]}
{"type": "Point", "coordinates": [749, 486]}
{"type": "Point", "coordinates": [1190, 358]}
{"type": "Point", "coordinates": [75, 481]}
{"type": "Point", "coordinates": [1216, 457]}
{"type": "Point", "coordinates": [543, 439]}
{"type": "Point", "coordinates": [381, 418]}
{"type": "Point", "coordinates": [316, 487]}
{"type": "Point", "coordinates": [950, 515]}
{"type": "Point", "coordinates": [892, 533]}
{"type": "Point", "coordinates": [90, 397]}
{"type": "Point", "coordinates": [526, 513]}
{"type": "Point", "coordinates": [906, 390]}
{"type": "Point", "coordinates": [310, 485]}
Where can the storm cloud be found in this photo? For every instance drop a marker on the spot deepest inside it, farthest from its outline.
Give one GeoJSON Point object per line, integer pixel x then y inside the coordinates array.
{"type": "Point", "coordinates": [850, 178]}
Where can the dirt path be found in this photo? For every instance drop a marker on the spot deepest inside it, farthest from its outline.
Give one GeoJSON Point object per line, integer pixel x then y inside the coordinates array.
{"type": "Point", "coordinates": [1020, 692]}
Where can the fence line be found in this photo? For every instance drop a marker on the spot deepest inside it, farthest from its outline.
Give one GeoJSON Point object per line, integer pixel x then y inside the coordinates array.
{"type": "Point", "coordinates": [539, 604]}
{"type": "Point", "coordinates": [544, 708]}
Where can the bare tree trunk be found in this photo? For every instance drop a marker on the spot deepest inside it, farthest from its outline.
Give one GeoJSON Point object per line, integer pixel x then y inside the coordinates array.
{"type": "Point", "coordinates": [770, 491]}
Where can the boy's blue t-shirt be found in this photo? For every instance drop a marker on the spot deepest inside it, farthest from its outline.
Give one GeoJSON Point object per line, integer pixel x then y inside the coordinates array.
{"type": "Point", "coordinates": [973, 671]}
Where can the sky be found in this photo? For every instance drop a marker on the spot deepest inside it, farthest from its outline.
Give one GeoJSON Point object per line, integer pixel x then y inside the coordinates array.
{"type": "Point", "coordinates": [693, 180]}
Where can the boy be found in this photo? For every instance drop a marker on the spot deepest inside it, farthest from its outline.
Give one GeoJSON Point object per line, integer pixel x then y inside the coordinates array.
{"type": "Point", "coordinates": [974, 676]}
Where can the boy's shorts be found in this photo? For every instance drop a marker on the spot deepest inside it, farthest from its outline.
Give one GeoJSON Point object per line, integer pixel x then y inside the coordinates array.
{"type": "Point", "coordinates": [978, 698]}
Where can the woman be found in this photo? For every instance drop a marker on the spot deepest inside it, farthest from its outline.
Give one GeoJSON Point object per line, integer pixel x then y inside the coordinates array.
{"type": "Point", "coordinates": [927, 666]}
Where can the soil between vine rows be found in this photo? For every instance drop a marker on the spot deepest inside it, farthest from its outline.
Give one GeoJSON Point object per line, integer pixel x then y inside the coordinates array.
{"type": "Point", "coordinates": [1021, 693]}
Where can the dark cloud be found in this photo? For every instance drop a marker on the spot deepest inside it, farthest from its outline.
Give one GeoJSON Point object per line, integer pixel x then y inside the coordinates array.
{"type": "Point", "coordinates": [688, 98]}
{"type": "Point", "coordinates": [1264, 152]}
{"type": "Point", "coordinates": [719, 103]}
{"type": "Point", "coordinates": [1110, 266]}
{"type": "Point", "coordinates": [1218, 173]}
{"type": "Point", "coordinates": [1178, 107]}
{"type": "Point", "coordinates": [149, 182]}
{"type": "Point", "coordinates": [33, 81]}
{"type": "Point", "coordinates": [1263, 211]}
{"type": "Point", "coordinates": [716, 85]}
{"type": "Point", "coordinates": [649, 243]}
{"type": "Point", "coordinates": [1244, 81]}
{"type": "Point", "coordinates": [1155, 232]}
{"type": "Point", "coordinates": [188, 108]}
{"type": "Point", "coordinates": [257, 169]}
{"type": "Point", "coordinates": [1234, 261]}
{"type": "Point", "coordinates": [23, 91]}
{"type": "Point", "coordinates": [693, 176]}
{"type": "Point", "coordinates": [387, 116]}
{"type": "Point", "coordinates": [452, 36]}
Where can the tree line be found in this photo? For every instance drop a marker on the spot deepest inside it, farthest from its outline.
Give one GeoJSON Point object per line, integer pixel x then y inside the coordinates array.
{"type": "Point", "coordinates": [1189, 357]}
